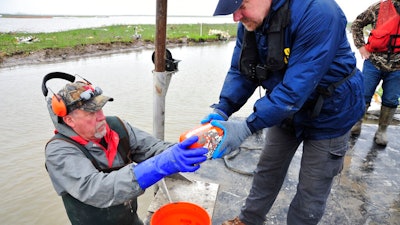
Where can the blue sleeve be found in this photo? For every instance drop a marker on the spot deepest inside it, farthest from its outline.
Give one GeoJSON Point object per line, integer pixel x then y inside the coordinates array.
{"type": "Point", "coordinates": [317, 31]}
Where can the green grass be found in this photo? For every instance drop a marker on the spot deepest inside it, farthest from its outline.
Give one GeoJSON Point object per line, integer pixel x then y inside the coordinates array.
{"type": "Point", "coordinates": [10, 43]}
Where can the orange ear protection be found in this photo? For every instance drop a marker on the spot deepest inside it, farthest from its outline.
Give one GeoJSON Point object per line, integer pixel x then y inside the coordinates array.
{"type": "Point", "coordinates": [57, 103]}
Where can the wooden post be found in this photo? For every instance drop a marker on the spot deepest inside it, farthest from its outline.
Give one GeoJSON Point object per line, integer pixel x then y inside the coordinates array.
{"type": "Point", "coordinates": [161, 35]}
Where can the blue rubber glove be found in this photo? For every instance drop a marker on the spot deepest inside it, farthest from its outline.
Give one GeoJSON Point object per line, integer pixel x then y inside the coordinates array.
{"type": "Point", "coordinates": [235, 132]}
{"type": "Point", "coordinates": [215, 115]}
{"type": "Point", "coordinates": [178, 158]}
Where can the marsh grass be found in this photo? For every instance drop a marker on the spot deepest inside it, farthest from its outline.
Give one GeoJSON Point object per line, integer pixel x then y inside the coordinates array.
{"type": "Point", "coordinates": [21, 43]}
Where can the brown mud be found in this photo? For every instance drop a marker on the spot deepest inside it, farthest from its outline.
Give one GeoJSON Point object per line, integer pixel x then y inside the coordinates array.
{"type": "Point", "coordinates": [63, 54]}
{"type": "Point", "coordinates": [82, 51]}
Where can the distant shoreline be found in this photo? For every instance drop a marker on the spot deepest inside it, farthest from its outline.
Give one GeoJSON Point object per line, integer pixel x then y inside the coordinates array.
{"type": "Point", "coordinates": [33, 16]}
{"type": "Point", "coordinates": [24, 16]}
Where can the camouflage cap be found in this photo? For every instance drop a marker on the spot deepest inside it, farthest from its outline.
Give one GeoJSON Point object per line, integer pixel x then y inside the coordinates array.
{"type": "Point", "coordinates": [81, 95]}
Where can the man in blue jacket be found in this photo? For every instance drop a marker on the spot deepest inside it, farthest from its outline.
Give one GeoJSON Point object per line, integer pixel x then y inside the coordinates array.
{"type": "Point", "coordinates": [299, 53]}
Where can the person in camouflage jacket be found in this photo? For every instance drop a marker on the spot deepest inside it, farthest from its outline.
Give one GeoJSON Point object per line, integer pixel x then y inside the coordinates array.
{"type": "Point", "coordinates": [378, 66]}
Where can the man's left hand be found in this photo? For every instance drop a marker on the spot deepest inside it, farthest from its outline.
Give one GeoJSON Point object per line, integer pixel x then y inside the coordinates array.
{"type": "Point", "coordinates": [235, 132]}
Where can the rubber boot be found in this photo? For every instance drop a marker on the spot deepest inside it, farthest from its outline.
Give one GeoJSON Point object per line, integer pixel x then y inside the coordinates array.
{"type": "Point", "coordinates": [385, 118]}
{"type": "Point", "coordinates": [356, 129]}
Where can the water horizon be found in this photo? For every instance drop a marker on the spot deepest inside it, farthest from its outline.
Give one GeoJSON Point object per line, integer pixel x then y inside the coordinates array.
{"type": "Point", "coordinates": [55, 23]}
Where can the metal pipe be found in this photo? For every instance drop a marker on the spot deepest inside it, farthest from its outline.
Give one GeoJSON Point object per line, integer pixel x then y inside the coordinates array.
{"type": "Point", "coordinates": [161, 79]}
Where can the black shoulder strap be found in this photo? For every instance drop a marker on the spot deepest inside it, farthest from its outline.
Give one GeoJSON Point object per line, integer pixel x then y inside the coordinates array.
{"type": "Point", "coordinates": [276, 38]}
{"type": "Point", "coordinates": [277, 55]}
{"type": "Point", "coordinates": [249, 60]}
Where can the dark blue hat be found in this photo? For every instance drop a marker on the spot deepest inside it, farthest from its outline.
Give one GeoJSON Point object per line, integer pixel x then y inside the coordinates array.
{"type": "Point", "coordinates": [226, 7]}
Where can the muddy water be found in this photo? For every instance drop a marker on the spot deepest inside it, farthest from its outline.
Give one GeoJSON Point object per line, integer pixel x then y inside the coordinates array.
{"type": "Point", "coordinates": [27, 196]}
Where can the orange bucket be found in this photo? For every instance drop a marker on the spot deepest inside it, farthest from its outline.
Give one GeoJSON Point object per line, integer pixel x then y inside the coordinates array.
{"type": "Point", "coordinates": [180, 213]}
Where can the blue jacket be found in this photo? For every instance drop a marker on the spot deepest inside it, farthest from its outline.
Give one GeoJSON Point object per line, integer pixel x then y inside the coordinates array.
{"type": "Point", "coordinates": [320, 55]}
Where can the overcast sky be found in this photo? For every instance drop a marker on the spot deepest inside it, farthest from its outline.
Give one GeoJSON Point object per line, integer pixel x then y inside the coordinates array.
{"type": "Point", "coordinates": [138, 7]}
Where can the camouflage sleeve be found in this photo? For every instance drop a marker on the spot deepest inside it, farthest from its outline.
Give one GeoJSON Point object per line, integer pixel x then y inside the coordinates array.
{"type": "Point", "coordinates": [368, 17]}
